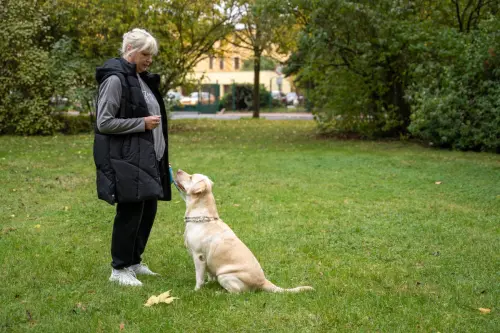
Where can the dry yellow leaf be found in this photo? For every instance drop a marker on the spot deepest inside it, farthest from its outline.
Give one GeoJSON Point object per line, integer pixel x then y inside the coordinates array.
{"type": "Point", "coordinates": [37, 226]}
{"type": "Point", "coordinates": [162, 298]}
{"type": "Point", "coordinates": [438, 183]}
{"type": "Point", "coordinates": [484, 310]}
{"type": "Point", "coordinates": [152, 300]}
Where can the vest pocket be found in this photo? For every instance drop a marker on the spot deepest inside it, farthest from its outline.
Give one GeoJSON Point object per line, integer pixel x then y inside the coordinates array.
{"type": "Point", "coordinates": [121, 147]}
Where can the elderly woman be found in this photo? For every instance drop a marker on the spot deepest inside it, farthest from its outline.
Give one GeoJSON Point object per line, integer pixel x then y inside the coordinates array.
{"type": "Point", "coordinates": [131, 151]}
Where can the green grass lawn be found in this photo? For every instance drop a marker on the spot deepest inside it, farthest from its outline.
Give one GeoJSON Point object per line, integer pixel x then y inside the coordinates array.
{"type": "Point", "coordinates": [386, 248]}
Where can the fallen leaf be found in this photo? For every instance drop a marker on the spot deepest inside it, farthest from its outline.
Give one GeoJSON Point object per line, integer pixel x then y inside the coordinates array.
{"type": "Point", "coordinates": [37, 226]}
{"type": "Point", "coordinates": [484, 310]}
{"type": "Point", "coordinates": [81, 306]}
{"type": "Point", "coordinates": [30, 318]}
{"type": "Point", "coordinates": [438, 183]}
{"type": "Point", "coordinates": [66, 208]}
{"type": "Point", "coordinates": [151, 301]}
{"type": "Point", "coordinates": [236, 205]}
{"type": "Point", "coordinates": [122, 326]}
{"type": "Point", "coordinates": [162, 298]}
{"type": "Point", "coordinates": [7, 230]}
{"type": "Point", "coordinates": [28, 314]}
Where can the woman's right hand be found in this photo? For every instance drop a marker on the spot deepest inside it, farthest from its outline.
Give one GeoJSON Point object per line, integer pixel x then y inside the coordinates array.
{"type": "Point", "coordinates": [152, 122]}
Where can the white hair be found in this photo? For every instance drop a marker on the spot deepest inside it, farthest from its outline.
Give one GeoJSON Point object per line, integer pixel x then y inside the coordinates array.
{"type": "Point", "coordinates": [139, 40]}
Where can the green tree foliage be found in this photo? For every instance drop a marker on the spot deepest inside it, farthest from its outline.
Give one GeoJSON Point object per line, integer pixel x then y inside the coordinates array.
{"type": "Point", "coordinates": [370, 64]}
{"type": "Point", "coordinates": [356, 56]}
{"type": "Point", "coordinates": [52, 48]}
{"type": "Point", "coordinates": [265, 26]}
{"type": "Point", "coordinates": [455, 96]}
{"type": "Point", "coordinates": [26, 84]}
{"type": "Point", "coordinates": [243, 97]}
{"type": "Point", "coordinates": [186, 32]}
{"type": "Point", "coordinates": [266, 64]}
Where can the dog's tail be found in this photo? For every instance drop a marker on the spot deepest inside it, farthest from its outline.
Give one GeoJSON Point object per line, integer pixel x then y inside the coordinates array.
{"type": "Point", "coordinates": [270, 287]}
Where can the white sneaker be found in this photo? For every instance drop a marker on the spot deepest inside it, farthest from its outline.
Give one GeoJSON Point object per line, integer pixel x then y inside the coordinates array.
{"type": "Point", "coordinates": [125, 277]}
{"type": "Point", "coordinates": [142, 269]}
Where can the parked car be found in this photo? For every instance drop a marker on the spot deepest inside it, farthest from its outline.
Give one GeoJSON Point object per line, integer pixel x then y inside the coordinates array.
{"type": "Point", "coordinates": [194, 98]}
{"type": "Point", "coordinates": [174, 96]}
{"type": "Point", "coordinates": [279, 96]}
{"type": "Point", "coordinates": [292, 98]}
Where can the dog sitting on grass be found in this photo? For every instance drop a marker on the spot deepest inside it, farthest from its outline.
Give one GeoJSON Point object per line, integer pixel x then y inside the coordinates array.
{"type": "Point", "coordinates": [215, 248]}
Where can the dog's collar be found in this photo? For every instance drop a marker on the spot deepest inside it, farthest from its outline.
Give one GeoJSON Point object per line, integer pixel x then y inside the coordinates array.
{"type": "Point", "coordinates": [200, 219]}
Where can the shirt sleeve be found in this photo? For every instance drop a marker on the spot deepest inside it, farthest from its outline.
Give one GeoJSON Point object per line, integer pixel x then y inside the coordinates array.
{"type": "Point", "coordinates": [108, 107]}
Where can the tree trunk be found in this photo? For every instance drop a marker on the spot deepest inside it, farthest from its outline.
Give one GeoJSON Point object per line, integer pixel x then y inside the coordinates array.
{"type": "Point", "coordinates": [395, 97]}
{"type": "Point", "coordinates": [256, 84]}
{"type": "Point", "coordinates": [402, 104]}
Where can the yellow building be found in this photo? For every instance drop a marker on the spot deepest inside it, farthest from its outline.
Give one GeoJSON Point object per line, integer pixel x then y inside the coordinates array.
{"type": "Point", "coordinates": [226, 69]}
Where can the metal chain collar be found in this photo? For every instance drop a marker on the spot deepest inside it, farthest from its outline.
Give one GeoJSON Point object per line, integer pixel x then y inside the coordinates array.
{"type": "Point", "coordinates": [200, 219]}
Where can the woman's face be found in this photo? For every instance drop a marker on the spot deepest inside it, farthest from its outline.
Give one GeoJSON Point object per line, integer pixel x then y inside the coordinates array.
{"type": "Point", "coordinates": [142, 60]}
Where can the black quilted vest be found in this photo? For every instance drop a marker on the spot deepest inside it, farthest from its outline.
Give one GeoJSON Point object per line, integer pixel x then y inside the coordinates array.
{"type": "Point", "coordinates": [126, 165]}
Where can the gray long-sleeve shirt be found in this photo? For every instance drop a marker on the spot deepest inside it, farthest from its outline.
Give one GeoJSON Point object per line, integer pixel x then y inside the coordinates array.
{"type": "Point", "coordinates": [108, 107]}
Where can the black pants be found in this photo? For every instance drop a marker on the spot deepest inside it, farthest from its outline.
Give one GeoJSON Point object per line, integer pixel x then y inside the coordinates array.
{"type": "Point", "coordinates": [133, 223]}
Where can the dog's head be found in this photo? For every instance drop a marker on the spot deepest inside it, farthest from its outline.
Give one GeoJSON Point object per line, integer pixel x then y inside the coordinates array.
{"type": "Point", "coordinates": [193, 185]}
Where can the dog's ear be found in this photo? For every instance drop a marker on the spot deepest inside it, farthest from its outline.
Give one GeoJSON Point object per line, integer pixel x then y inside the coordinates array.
{"type": "Point", "coordinates": [199, 187]}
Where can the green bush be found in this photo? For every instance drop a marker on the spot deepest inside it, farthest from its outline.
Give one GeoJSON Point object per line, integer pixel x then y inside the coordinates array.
{"type": "Point", "coordinates": [26, 84]}
{"type": "Point", "coordinates": [354, 58]}
{"type": "Point", "coordinates": [244, 97]}
{"type": "Point", "coordinates": [75, 124]}
{"type": "Point", "coordinates": [456, 97]}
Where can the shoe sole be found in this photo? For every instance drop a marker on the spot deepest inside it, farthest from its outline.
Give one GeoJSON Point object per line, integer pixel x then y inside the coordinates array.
{"type": "Point", "coordinates": [144, 273]}
{"type": "Point", "coordinates": [125, 284]}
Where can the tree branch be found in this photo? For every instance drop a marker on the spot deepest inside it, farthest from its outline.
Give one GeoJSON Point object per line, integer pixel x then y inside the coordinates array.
{"type": "Point", "coordinates": [476, 10]}
{"type": "Point", "coordinates": [457, 7]}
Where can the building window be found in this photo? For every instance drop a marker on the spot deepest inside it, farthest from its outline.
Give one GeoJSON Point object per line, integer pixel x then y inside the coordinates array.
{"type": "Point", "coordinates": [222, 63]}
{"type": "Point", "coordinates": [236, 63]}
{"type": "Point", "coordinates": [211, 63]}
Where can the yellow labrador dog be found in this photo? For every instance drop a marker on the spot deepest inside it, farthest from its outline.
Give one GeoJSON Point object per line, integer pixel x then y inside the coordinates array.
{"type": "Point", "coordinates": [215, 248]}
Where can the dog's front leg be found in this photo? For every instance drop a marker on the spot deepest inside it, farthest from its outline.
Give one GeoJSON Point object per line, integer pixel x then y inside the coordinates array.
{"type": "Point", "coordinates": [200, 266]}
